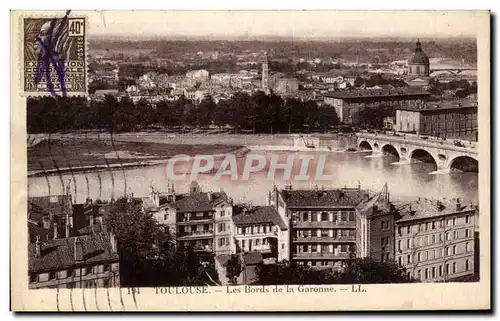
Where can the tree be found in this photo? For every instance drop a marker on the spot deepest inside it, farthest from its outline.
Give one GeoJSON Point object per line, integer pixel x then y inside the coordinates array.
{"type": "Point", "coordinates": [206, 111]}
{"type": "Point", "coordinates": [233, 268]}
{"type": "Point", "coordinates": [368, 270]}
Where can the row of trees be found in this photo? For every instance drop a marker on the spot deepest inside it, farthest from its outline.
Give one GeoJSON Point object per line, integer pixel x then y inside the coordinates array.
{"type": "Point", "coordinates": [357, 271]}
{"type": "Point", "coordinates": [259, 113]}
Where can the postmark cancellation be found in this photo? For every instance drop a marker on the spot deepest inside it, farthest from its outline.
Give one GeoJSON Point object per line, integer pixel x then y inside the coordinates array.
{"type": "Point", "coordinates": [54, 55]}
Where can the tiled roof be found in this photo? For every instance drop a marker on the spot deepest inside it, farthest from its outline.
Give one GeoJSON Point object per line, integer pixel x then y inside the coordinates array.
{"type": "Point", "coordinates": [344, 197]}
{"type": "Point", "coordinates": [58, 205]}
{"type": "Point", "coordinates": [35, 230]}
{"type": "Point", "coordinates": [60, 253]}
{"type": "Point", "coordinates": [199, 202]}
{"type": "Point", "coordinates": [427, 208]}
{"type": "Point", "coordinates": [385, 93]}
{"type": "Point", "coordinates": [257, 215]}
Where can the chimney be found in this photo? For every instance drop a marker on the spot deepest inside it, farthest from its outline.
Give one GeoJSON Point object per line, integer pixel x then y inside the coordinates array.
{"type": "Point", "coordinates": [112, 240]}
{"type": "Point", "coordinates": [92, 224]}
{"type": "Point", "coordinates": [101, 223]}
{"type": "Point", "coordinates": [38, 247]}
{"type": "Point", "coordinates": [55, 230]}
{"type": "Point", "coordinates": [78, 250]}
{"type": "Point", "coordinates": [459, 205]}
{"type": "Point", "coordinates": [46, 223]}
{"type": "Point", "coordinates": [209, 194]}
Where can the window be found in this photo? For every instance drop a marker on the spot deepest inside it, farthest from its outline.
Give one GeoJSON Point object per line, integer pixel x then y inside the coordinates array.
{"type": "Point", "coordinates": [428, 226]}
{"type": "Point", "coordinates": [222, 227]}
{"type": "Point", "coordinates": [70, 273]}
{"type": "Point", "coordinates": [107, 267]}
{"type": "Point", "coordinates": [467, 233]}
{"type": "Point", "coordinates": [440, 237]}
{"type": "Point", "coordinates": [455, 235]}
{"type": "Point", "coordinates": [440, 270]}
{"type": "Point", "coordinates": [408, 229]}
{"type": "Point", "coordinates": [467, 247]}
{"type": "Point", "coordinates": [199, 214]}
{"type": "Point", "coordinates": [447, 269]}
{"type": "Point", "coordinates": [105, 283]}
{"type": "Point", "coordinates": [408, 243]}
{"type": "Point", "coordinates": [433, 238]}
{"type": "Point", "coordinates": [419, 257]}
{"type": "Point", "coordinates": [433, 272]}
{"type": "Point", "coordinates": [382, 257]}
{"type": "Point", "coordinates": [282, 246]}
{"type": "Point", "coordinates": [447, 236]}
{"type": "Point", "coordinates": [33, 278]}
{"type": "Point", "coordinates": [324, 216]}
{"type": "Point", "coordinates": [400, 260]}
{"type": "Point", "coordinates": [382, 241]}
{"type": "Point", "coordinates": [52, 275]}
{"type": "Point", "coordinates": [257, 242]}
{"type": "Point", "coordinates": [399, 245]}
{"type": "Point", "coordinates": [433, 225]}
{"type": "Point", "coordinates": [467, 219]}
{"type": "Point", "coordinates": [467, 267]}
{"type": "Point", "coordinates": [426, 273]}
{"type": "Point", "coordinates": [448, 252]}
{"type": "Point", "coordinates": [243, 244]}
{"type": "Point", "coordinates": [454, 249]}
{"type": "Point", "coordinates": [454, 267]}
{"type": "Point", "coordinates": [454, 221]}
{"type": "Point", "coordinates": [399, 231]}
{"type": "Point", "coordinates": [408, 258]}
{"type": "Point", "coordinates": [382, 224]}
{"type": "Point", "coordinates": [419, 276]}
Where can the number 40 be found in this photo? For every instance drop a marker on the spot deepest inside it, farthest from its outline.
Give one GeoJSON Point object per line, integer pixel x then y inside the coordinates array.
{"type": "Point", "coordinates": [76, 27]}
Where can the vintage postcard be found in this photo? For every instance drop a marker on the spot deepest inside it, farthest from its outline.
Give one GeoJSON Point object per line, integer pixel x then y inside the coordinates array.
{"type": "Point", "coordinates": [250, 160]}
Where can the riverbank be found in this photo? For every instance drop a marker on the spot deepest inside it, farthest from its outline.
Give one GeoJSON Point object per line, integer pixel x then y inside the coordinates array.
{"type": "Point", "coordinates": [86, 151]}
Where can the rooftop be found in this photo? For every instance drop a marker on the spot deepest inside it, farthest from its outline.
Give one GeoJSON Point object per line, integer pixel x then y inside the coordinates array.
{"type": "Point", "coordinates": [342, 197]}
{"type": "Point", "coordinates": [58, 205]}
{"type": "Point", "coordinates": [381, 93]}
{"type": "Point", "coordinates": [198, 202]}
{"type": "Point", "coordinates": [257, 215]}
{"type": "Point", "coordinates": [426, 208]}
{"type": "Point", "coordinates": [60, 253]}
{"type": "Point", "coordinates": [442, 105]}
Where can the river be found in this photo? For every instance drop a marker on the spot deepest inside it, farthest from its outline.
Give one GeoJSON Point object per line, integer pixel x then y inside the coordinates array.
{"type": "Point", "coordinates": [405, 182]}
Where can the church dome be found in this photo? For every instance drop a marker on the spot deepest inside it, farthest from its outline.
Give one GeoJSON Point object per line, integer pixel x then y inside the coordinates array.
{"type": "Point", "coordinates": [419, 56]}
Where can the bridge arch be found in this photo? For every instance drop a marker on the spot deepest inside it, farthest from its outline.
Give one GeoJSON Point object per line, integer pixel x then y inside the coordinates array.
{"type": "Point", "coordinates": [364, 145]}
{"type": "Point", "coordinates": [389, 149]}
{"type": "Point", "coordinates": [464, 164]}
{"type": "Point", "coordinates": [422, 156]}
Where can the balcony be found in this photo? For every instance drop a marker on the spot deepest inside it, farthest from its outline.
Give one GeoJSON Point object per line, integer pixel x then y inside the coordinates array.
{"type": "Point", "coordinates": [195, 235]}
{"type": "Point", "coordinates": [323, 239]}
{"type": "Point", "coordinates": [320, 256]}
{"type": "Point", "coordinates": [325, 224]}
{"type": "Point", "coordinates": [194, 220]}
{"type": "Point", "coordinates": [259, 248]}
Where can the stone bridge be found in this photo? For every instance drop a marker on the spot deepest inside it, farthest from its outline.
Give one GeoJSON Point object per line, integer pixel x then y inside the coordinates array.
{"type": "Point", "coordinates": [444, 152]}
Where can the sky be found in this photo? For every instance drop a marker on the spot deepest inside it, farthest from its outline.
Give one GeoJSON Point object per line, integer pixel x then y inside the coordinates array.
{"type": "Point", "coordinates": [298, 24]}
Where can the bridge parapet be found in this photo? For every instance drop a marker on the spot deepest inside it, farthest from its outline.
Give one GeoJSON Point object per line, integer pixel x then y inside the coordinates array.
{"type": "Point", "coordinates": [443, 152]}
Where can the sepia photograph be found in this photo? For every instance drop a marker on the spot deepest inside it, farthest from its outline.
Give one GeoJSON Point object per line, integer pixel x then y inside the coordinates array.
{"type": "Point", "coordinates": [250, 152]}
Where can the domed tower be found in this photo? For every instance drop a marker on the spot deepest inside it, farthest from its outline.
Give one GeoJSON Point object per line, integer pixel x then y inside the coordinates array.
{"type": "Point", "coordinates": [418, 64]}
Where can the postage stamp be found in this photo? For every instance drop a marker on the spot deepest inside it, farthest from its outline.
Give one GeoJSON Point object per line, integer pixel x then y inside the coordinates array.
{"type": "Point", "coordinates": [257, 164]}
{"type": "Point", "coordinates": [54, 55]}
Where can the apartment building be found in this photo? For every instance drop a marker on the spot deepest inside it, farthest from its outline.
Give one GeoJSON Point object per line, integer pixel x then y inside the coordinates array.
{"type": "Point", "coordinates": [77, 262]}
{"type": "Point", "coordinates": [435, 239]}
{"type": "Point", "coordinates": [375, 218]}
{"type": "Point", "coordinates": [260, 229]}
{"type": "Point", "coordinates": [322, 224]}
